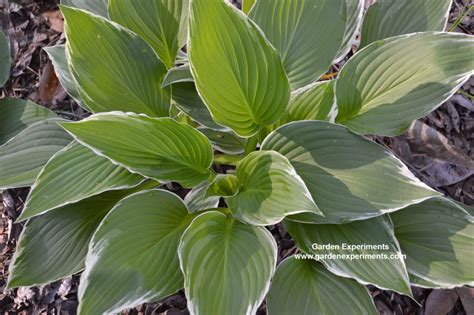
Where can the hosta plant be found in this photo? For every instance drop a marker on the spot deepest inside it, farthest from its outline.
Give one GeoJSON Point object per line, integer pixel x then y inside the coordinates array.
{"type": "Point", "coordinates": [209, 126]}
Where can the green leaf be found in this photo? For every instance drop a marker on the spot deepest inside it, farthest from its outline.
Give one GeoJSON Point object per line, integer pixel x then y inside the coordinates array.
{"type": "Point", "coordinates": [188, 100]}
{"type": "Point", "coordinates": [178, 75]}
{"type": "Point", "coordinates": [438, 238]}
{"type": "Point", "coordinates": [162, 23]}
{"type": "Point", "coordinates": [305, 287]}
{"type": "Point", "coordinates": [387, 272]}
{"type": "Point", "coordinates": [388, 18]}
{"type": "Point", "coordinates": [133, 257]}
{"type": "Point", "coordinates": [247, 5]}
{"type": "Point", "coordinates": [54, 246]}
{"type": "Point", "coordinates": [18, 114]}
{"type": "Point", "coordinates": [158, 148]}
{"type": "Point", "coordinates": [224, 141]}
{"type": "Point", "coordinates": [355, 10]}
{"type": "Point", "coordinates": [312, 102]}
{"type": "Point", "coordinates": [238, 74]}
{"type": "Point", "coordinates": [349, 177]}
{"type": "Point", "coordinates": [468, 209]}
{"type": "Point", "coordinates": [224, 185]}
{"type": "Point", "coordinates": [58, 57]}
{"type": "Point", "coordinates": [269, 190]}
{"type": "Point", "coordinates": [73, 174]}
{"type": "Point", "coordinates": [307, 34]}
{"type": "Point", "coordinates": [95, 6]}
{"type": "Point", "coordinates": [197, 200]}
{"type": "Point", "coordinates": [227, 265]}
{"type": "Point", "coordinates": [23, 157]}
{"type": "Point", "coordinates": [391, 83]}
{"type": "Point", "coordinates": [5, 58]}
{"type": "Point", "coordinates": [113, 67]}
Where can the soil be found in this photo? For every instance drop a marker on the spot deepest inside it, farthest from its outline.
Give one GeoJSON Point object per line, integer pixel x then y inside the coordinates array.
{"type": "Point", "coordinates": [438, 150]}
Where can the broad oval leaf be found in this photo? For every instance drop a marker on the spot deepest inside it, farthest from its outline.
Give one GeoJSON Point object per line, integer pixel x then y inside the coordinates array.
{"type": "Point", "coordinates": [187, 99]}
{"type": "Point", "coordinates": [349, 177]}
{"type": "Point", "coordinates": [73, 174]}
{"type": "Point", "coordinates": [391, 83]}
{"type": "Point", "coordinates": [388, 18]}
{"type": "Point", "coordinates": [5, 58]}
{"type": "Point", "coordinates": [225, 141]}
{"type": "Point", "coordinates": [223, 185]}
{"type": "Point", "coordinates": [269, 190]}
{"type": "Point", "coordinates": [58, 57]}
{"type": "Point", "coordinates": [158, 148]}
{"type": "Point", "coordinates": [162, 23]}
{"type": "Point", "coordinates": [380, 264]}
{"type": "Point", "coordinates": [113, 67]}
{"type": "Point", "coordinates": [197, 199]}
{"type": "Point", "coordinates": [238, 74]}
{"type": "Point", "coordinates": [23, 157]}
{"type": "Point", "coordinates": [18, 114]}
{"type": "Point", "coordinates": [355, 11]}
{"type": "Point", "coordinates": [307, 34]}
{"type": "Point", "coordinates": [133, 256]}
{"type": "Point", "coordinates": [227, 265]}
{"type": "Point", "coordinates": [305, 287]}
{"type": "Point", "coordinates": [437, 236]}
{"type": "Point", "coordinates": [312, 102]}
{"type": "Point", "coordinates": [54, 246]}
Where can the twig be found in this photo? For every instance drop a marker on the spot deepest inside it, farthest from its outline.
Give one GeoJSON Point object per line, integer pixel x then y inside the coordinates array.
{"type": "Point", "coordinates": [460, 18]}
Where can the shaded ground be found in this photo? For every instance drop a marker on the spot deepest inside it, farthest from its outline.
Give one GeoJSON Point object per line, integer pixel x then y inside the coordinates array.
{"type": "Point", "coordinates": [438, 150]}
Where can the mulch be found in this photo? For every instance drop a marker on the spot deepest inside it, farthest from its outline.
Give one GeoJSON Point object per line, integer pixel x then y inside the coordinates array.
{"type": "Point", "coordinates": [439, 150]}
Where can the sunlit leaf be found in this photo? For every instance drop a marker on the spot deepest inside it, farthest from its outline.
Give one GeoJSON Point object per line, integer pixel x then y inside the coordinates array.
{"type": "Point", "coordinates": [162, 23]}
{"type": "Point", "coordinates": [73, 174]}
{"type": "Point", "coordinates": [312, 102]}
{"type": "Point", "coordinates": [349, 177]}
{"type": "Point", "coordinates": [227, 265]}
{"type": "Point", "coordinates": [437, 236]}
{"type": "Point", "coordinates": [238, 74]}
{"type": "Point", "coordinates": [383, 266]}
{"type": "Point", "coordinates": [391, 83]}
{"type": "Point", "coordinates": [54, 246]}
{"type": "Point", "coordinates": [223, 185]}
{"type": "Point", "coordinates": [158, 148]}
{"type": "Point", "coordinates": [388, 18]}
{"type": "Point", "coordinates": [269, 190]}
{"type": "Point", "coordinates": [133, 256]}
{"type": "Point", "coordinates": [114, 68]}
{"type": "Point", "coordinates": [308, 34]}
